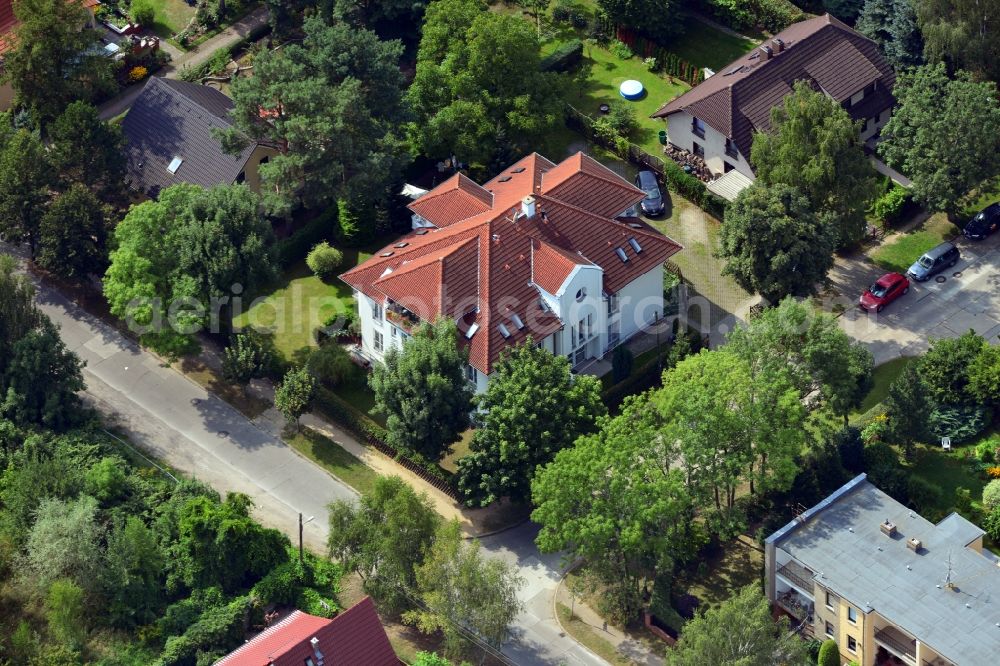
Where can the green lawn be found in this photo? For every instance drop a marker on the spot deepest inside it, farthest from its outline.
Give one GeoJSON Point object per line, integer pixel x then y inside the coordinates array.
{"type": "Point", "coordinates": [331, 457]}
{"type": "Point", "coordinates": [900, 253]}
{"type": "Point", "coordinates": [704, 46]}
{"type": "Point", "coordinates": [883, 376]}
{"type": "Point", "coordinates": [982, 197]}
{"type": "Point", "coordinates": [172, 16]}
{"type": "Point", "coordinates": [601, 73]}
{"type": "Point", "coordinates": [300, 302]}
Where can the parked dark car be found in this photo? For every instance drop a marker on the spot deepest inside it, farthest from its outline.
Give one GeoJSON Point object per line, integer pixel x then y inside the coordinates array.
{"type": "Point", "coordinates": [883, 291]}
{"type": "Point", "coordinates": [653, 203]}
{"type": "Point", "coordinates": [933, 262]}
{"type": "Point", "coordinates": [984, 223]}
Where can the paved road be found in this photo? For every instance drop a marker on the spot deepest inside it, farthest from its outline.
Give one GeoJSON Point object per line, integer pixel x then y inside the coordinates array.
{"type": "Point", "coordinates": [968, 298]}
{"type": "Point", "coordinates": [192, 58]}
{"type": "Point", "coordinates": [198, 433]}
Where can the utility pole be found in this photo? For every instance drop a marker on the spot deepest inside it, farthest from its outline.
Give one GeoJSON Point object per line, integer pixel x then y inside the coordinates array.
{"type": "Point", "coordinates": [302, 558]}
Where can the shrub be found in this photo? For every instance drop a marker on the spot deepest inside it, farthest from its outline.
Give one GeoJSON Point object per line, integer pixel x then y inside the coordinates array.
{"type": "Point", "coordinates": [923, 494]}
{"type": "Point", "coordinates": [993, 472]}
{"type": "Point", "coordinates": [561, 12]}
{"type": "Point", "coordinates": [620, 50]}
{"type": "Point", "coordinates": [991, 496]}
{"type": "Point", "coordinates": [137, 73]}
{"type": "Point", "coordinates": [829, 654]}
{"type": "Point", "coordinates": [579, 20]}
{"type": "Point", "coordinates": [331, 365]}
{"type": "Point", "coordinates": [292, 249]}
{"type": "Point", "coordinates": [566, 57]}
{"type": "Point", "coordinates": [959, 422]}
{"type": "Point", "coordinates": [143, 13]}
{"type": "Point", "coordinates": [248, 355]}
{"type": "Point", "coordinates": [986, 450]}
{"type": "Point", "coordinates": [651, 64]}
{"type": "Point", "coordinates": [851, 449]}
{"type": "Point", "coordinates": [992, 524]}
{"type": "Point", "coordinates": [891, 207]}
{"type": "Point", "coordinates": [324, 260]}
{"type": "Point", "coordinates": [621, 363]}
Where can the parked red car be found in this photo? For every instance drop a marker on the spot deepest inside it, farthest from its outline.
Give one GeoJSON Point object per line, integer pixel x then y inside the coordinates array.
{"type": "Point", "coordinates": [886, 289]}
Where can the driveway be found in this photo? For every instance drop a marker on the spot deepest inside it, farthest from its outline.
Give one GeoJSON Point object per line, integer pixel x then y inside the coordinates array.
{"type": "Point", "coordinates": [957, 300]}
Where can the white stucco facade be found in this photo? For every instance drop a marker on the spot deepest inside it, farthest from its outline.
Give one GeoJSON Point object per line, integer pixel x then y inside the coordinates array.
{"type": "Point", "coordinates": [681, 133]}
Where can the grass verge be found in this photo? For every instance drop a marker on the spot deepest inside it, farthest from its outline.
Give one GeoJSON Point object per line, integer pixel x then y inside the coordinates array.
{"type": "Point", "coordinates": [704, 46]}
{"type": "Point", "coordinates": [900, 253]}
{"type": "Point", "coordinates": [330, 456]}
{"type": "Point", "coordinates": [585, 634]}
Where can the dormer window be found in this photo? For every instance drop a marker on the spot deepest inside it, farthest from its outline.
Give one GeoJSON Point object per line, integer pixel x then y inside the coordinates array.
{"type": "Point", "coordinates": [581, 294]}
{"type": "Point", "coordinates": [698, 127]}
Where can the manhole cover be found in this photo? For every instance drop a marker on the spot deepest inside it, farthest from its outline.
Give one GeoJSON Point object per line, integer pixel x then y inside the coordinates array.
{"type": "Point", "coordinates": [940, 278]}
{"type": "Point", "coordinates": [195, 401]}
{"type": "Point", "coordinates": [223, 433]}
{"type": "Point", "coordinates": [957, 274]}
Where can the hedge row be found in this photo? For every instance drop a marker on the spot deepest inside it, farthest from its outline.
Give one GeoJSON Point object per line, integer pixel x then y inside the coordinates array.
{"type": "Point", "coordinates": [564, 58]}
{"type": "Point", "coordinates": [295, 247]}
{"type": "Point", "coordinates": [894, 206]}
{"type": "Point", "coordinates": [691, 188]}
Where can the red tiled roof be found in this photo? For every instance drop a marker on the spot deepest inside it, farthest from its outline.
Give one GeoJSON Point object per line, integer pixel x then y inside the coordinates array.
{"type": "Point", "coordinates": [737, 100]}
{"type": "Point", "coordinates": [479, 269]}
{"type": "Point", "coordinates": [353, 637]}
{"type": "Point", "coordinates": [452, 201]}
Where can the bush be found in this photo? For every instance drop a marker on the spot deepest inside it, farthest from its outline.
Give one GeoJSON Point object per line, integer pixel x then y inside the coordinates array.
{"type": "Point", "coordinates": [621, 363]}
{"type": "Point", "coordinates": [137, 73]}
{"type": "Point", "coordinates": [291, 249]}
{"type": "Point", "coordinates": [565, 58]}
{"type": "Point", "coordinates": [891, 207]}
{"type": "Point", "coordinates": [992, 524]}
{"type": "Point", "coordinates": [691, 188]}
{"type": "Point", "coordinates": [331, 365]}
{"type": "Point", "coordinates": [991, 496]}
{"type": "Point", "coordinates": [143, 13]}
{"type": "Point", "coordinates": [621, 118]}
{"type": "Point", "coordinates": [620, 50]}
{"type": "Point", "coordinates": [923, 494]}
{"type": "Point", "coordinates": [851, 449]}
{"type": "Point", "coordinates": [986, 450]}
{"type": "Point", "coordinates": [959, 422]}
{"type": "Point", "coordinates": [324, 260]}
{"type": "Point", "coordinates": [829, 654]}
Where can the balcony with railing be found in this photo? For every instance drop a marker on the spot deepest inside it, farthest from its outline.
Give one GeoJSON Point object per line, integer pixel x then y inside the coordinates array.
{"type": "Point", "coordinates": [401, 317]}
{"type": "Point", "coordinates": [795, 604]}
{"type": "Point", "coordinates": [897, 644]}
{"type": "Point", "coordinates": [798, 576]}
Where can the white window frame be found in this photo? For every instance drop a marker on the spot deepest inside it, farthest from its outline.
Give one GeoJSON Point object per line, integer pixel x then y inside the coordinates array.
{"type": "Point", "coordinates": [377, 312]}
{"type": "Point", "coordinates": [471, 374]}
{"type": "Point", "coordinates": [378, 341]}
{"type": "Point", "coordinates": [829, 629]}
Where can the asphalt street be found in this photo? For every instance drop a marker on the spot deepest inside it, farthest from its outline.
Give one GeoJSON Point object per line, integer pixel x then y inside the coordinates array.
{"type": "Point", "coordinates": [198, 433]}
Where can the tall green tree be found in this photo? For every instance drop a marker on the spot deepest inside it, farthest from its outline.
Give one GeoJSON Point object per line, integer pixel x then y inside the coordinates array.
{"type": "Point", "coordinates": [65, 613]}
{"type": "Point", "coordinates": [64, 543]}
{"type": "Point", "coordinates": [774, 244]}
{"type": "Point", "coordinates": [85, 149]}
{"type": "Point", "coordinates": [72, 235]}
{"type": "Point", "coordinates": [462, 589]}
{"type": "Point", "coordinates": [56, 57]}
{"type": "Point", "coordinates": [383, 538]}
{"type": "Point", "coordinates": [331, 106]}
{"type": "Point", "coordinates": [961, 34]}
{"type": "Point", "coordinates": [944, 134]}
{"type": "Point", "coordinates": [654, 18]}
{"type": "Point", "coordinates": [25, 181]}
{"type": "Point", "coordinates": [478, 93]}
{"type": "Point", "coordinates": [908, 408]}
{"type": "Point", "coordinates": [533, 408]}
{"type": "Point", "coordinates": [984, 376]}
{"type": "Point", "coordinates": [946, 367]}
{"type": "Point", "coordinates": [892, 24]}
{"type": "Point", "coordinates": [369, 13]}
{"type": "Point", "coordinates": [814, 146]}
{"type": "Point", "coordinates": [741, 631]}
{"type": "Point", "coordinates": [617, 498]}
{"type": "Point", "coordinates": [175, 255]}
{"type": "Point", "coordinates": [423, 392]}
{"type": "Point", "coordinates": [134, 581]}
{"type": "Point", "coordinates": [18, 313]}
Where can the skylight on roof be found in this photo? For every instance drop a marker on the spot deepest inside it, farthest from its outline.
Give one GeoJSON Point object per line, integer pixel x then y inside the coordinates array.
{"type": "Point", "coordinates": [517, 321]}
{"type": "Point", "coordinates": [420, 232]}
{"type": "Point", "coordinates": [504, 331]}
{"type": "Point", "coordinates": [472, 331]}
{"type": "Point", "coordinates": [503, 179]}
{"type": "Point", "coordinates": [635, 225]}
{"type": "Point", "coordinates": [403, 244]}
{"type": "Point", "coordinates": [621, 254]}
{"type": "Point", "coordinates": [175, 164]}
{"type": "Point", "coordinates": [635, 245]}
{"type": "Point", "coordinates": [386, 254]}
{"type": "Point", "coordinates": [517, 170]}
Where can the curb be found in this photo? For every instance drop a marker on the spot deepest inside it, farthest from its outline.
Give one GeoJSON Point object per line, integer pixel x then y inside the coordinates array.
{"type": "Point", "coordinates": [555, 610]}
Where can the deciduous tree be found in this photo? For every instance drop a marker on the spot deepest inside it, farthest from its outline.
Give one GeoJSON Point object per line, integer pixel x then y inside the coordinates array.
{"type": "Point", "coordinates": [908, 407]}
{"type": "Point", "coordinates": [65, 613]}
{"type": "Point", "coordinates": [383, 538]}
{"type": "Point", "coordinates": [741, 631]}
{"type": "Point", "coordinates": [294, 394]}
{"type": "Point", "coordinates": [532, 409]}
{"type": "Point", "coordinates": [56, 57]}
{"type": "Point", "coordinates": [331, 106]}
{"type": "Point", "coordinates": [774, 244]}
{"type": "Point", "coordinates": [479, 94]}
{"type": "Point", "coordinates": [41, 380]}
{"type": "Point", "coordinates": [984, 376]}
{"type": "Point", "coordinates": [423, 392]}
{"type": "Point", "coordinates": [892, 24]}
{"type": "Point", "coordinates": [654, 18]}
{"type": "Point", "coordinates": [87, 150]}
{"type": "Point", "coordinates": [946, 367]}
{"type": "Point", "coordinates": [72, 235]}
{"type": "Point", "coordinates": [460, 588]}
{"type": "Point", "coordinates": [25, 179]}
{"type": "Point", "coordinates": [814, 146]}
{"type": "Point", "coordinates": [133, 583]}
{"type": "Point", "coordinates": [246, 357]}
{"type": "Point", "coordinates": [64, 543]}
{"type": "Point", "coordinates": [960, 33]}
{"type": "Point", "coordinates": [944, 134]}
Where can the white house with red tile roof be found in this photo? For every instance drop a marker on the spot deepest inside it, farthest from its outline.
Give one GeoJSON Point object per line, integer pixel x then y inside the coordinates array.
{"type": "Point", "coordinates": [541, 250]}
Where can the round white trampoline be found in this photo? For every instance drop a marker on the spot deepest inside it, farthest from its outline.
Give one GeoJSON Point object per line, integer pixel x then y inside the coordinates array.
{"type": "Point", "coordinates": [632, 89]}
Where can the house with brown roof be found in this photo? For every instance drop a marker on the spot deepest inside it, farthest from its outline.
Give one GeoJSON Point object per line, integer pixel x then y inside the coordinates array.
{"type": "Point", "coordinates": [352, 638]}
{"type": "Point", "coordinates": [542, 250]}
{"type": "Point", "coordinates": [717, 119]}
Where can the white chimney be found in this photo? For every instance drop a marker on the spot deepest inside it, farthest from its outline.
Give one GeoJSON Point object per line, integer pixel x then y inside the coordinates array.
{"type": "Point", "coordinates": [766, 52]}
{"type": "Point", "coordinates": [528, 206]}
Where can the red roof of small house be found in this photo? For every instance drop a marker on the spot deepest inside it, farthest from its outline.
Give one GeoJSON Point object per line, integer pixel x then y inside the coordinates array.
{"type": "Point", "coordinates": [484, 261]}
{"type": "Point", "coordinates": [352, 638]}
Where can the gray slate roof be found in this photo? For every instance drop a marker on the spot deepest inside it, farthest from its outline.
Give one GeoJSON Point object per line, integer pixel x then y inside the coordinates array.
{"type": "Point", "coordinates": [175, 119]}
{"type": "Point", "coordinates": [840, 541]}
